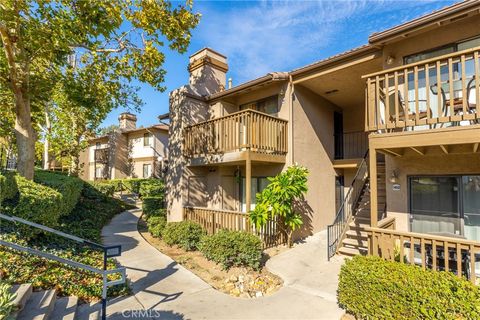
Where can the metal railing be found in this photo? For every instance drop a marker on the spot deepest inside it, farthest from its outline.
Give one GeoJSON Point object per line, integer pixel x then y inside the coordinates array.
{"type": "Point", "coordinates": [108, 252]}
{"type": "Point", "coordinates": [336, 231]}
{"type": "Point", "coordinates": [351, 145]}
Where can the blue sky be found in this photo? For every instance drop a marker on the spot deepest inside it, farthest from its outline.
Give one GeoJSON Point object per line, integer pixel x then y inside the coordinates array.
{"type": "Point", "coordinates": [264, 36]}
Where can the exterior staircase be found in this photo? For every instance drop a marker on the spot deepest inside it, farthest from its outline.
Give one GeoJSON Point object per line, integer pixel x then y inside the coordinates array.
{"type": "Point", "coordinates": [356, 239]}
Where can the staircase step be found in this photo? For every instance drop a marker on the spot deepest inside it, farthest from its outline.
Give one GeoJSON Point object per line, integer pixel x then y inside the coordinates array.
{"type": "Point", "coordinates": [351, 251]}
{"type": "Point", "coordinates": [23, 293]}
{"type": "Point", "coordinates": [39, 306]}
{"type": "Point", "coordinates": [355, 233]}
{"type": "Point", "coordinates": [65, 308]}
{"type": "Point", "coordinates": [360, 226]}
{"type": "Point", "coordinates": [355, 242]}
{"type": "Point", "coordinates": [361, 220]}
{"type": "Point", "coordinates": [89, 311]}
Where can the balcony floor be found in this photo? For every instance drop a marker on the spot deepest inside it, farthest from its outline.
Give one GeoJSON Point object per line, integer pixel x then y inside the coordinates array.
{"type": "Point", "coordinates": [236, 157]}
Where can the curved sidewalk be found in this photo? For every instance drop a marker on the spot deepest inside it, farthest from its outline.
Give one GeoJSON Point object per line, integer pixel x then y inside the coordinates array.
{"type": "Point", "coordinates": [172, 292]}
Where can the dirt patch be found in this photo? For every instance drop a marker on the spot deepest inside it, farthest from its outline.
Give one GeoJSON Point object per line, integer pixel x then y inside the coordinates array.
{"type": "Point", "coordinates": [238, 282]}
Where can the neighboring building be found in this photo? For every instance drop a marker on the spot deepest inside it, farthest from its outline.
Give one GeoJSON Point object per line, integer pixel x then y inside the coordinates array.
{"type": "Point", "coordinates": [128, 152]}
{"type": "Point", "coordinates": [421, 128]}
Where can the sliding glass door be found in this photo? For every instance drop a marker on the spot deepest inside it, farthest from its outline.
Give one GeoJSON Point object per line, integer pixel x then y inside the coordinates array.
{"type": "Point", "coordinates": [446, 205]}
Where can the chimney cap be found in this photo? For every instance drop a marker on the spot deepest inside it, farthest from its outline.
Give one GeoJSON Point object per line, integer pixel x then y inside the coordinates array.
{"type": "Point", "coordinates": [127, 115]}
{"type": "Point", "coordinates": [207, 49]}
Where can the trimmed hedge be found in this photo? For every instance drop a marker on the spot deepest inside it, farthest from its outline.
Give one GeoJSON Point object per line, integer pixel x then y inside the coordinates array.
{"type": "Point", "coordinates": [8, 186]}
{"type": "Point", "coordinates": [106, 189]}
{"type": "Point", "coordinates": [143, 187]}
{"type": "Point", "coordinates": [233, 249]}
{"type": "Point", "coordinates": [185, 234]}
{"type": "Point", "coordinates": [151, 188]}
{"type": "Point", "coordinates": [156, 225]}
{"type": "Point", "coordinates": [153, 206]}
{"type": "Point", "coordinates": [69, 187]}
{"type": "Point", "coordinates": [372, 288]}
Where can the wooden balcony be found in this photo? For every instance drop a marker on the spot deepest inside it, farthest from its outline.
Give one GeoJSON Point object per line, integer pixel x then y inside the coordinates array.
{"type": "Point", "coordinates": [434, 93]}
{"type": "Point", "coordinates": [246, 130]}
{"type": "Point", "coordinates": [101, 155]}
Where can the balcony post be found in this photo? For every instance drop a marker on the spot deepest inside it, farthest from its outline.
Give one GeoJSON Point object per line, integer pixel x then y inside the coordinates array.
{"type": "Point", "coordinates": [248, 182]}
{"type": "Point", "coordinates": [373, 188]}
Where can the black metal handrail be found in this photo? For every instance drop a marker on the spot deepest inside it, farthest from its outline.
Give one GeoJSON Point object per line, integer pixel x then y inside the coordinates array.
{"type": "Point", "coordinates": [108, 252]}
{"type": "Point", "coordinates": [337, 229]}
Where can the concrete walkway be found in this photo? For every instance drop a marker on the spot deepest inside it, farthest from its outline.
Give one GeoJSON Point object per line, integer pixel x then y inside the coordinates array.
{"type": "Point", "coordinates": [172, 292]}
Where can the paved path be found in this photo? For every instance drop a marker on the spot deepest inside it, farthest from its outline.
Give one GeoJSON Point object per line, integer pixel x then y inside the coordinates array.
{"type": "Point", "coordinates": [172, 292]}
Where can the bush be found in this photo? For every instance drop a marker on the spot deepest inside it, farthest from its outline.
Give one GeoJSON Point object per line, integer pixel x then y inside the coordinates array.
{"type": "Point", "coordinates": [232, 249]}
{"type": "Point", "coordinates": [69, 187]}
{"type": "Point", "coordinates": [106, 189]}
{"type": "Point", "coordinates": [6, 301]}
{"type": "Point", "coordinates": [152, 205]}
{"type": "Point", "coordinates": [372, 288]}
{"type": "Point", "coordinates": [156, 225]}
{"type": "Point", "coordinates": [151, 188]}
{"type": "Point", "coordinates": [8, 186]}
{"type": "Point", "coordinates": [36, 203]}
{"type": "Point", "coordinates": [185, 234]}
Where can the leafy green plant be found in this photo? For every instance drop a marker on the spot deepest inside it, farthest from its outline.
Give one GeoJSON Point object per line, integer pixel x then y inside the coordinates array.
{"type": "Point", "coordinates": [232, 248]}
{"type": "Point", "coordinates": [106, 189]}
{"type": "Point", "coordinates": [185, 234]}
{"type": "Point", "coordinates": [276, 202]}
{"type": "Point", "coordinates": [156, 225]}
{"type": "Point", "coordinates": [151, 188]}
{"type": "Point", "coordinates": [8, 186]}
{"type": "Point", "coordinates": [372, 288]}
{"type": "Point", "coordinates": [6, 301]}
{"type": "Point", "coordinates": [153, 205]}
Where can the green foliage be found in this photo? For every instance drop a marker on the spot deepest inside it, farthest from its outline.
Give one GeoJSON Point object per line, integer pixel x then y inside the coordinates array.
{"type": "Point", "coordinates": [8, 186]}
{"type": "Point", "coordinates": [233, 249]}
{"type": "Point", "coordinates": [106, 189]}
{"type": "Point", "coordinates": [69, 187]}
{"type": "Point", "coordinates": [156, 225]}
{"type": "Point", "coordinates": [185, 234]}
{"type": "Point", "coordinates": [151, 188]}
{"type": "Point", "coordinates": [276, 201]}
{"type": "Point", "coordinates": [6, 301]}
{"type": "Point", "coordinates": [153, 205]}
{"type": "Point", "coordinates": [36, 203]}
{"type": "Point", "coordinates": [372, 288]}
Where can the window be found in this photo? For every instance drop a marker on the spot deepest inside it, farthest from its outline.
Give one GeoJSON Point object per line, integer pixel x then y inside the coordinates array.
{"type": "Point", "coordinates": [147, 140]}
{"type": "Point", "coordinates": [98, 172]}
{"type": "Point", "coordinates": [268, 105]}
{"type": "Point", "coordinates": [258, 184]}
{"type": "Point", "coordinates": [147, 170]}
{"type": "Point", "coordinates": [98, 145]}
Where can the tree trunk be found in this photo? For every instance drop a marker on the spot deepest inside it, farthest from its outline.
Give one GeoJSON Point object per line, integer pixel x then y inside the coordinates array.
{"type": "Point", "coordinates": [46, 145]}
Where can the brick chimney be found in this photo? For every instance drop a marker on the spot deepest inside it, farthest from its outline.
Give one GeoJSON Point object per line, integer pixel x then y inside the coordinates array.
{"type": "Point", "coordinates": [208, 70]}
{"type": "Point", "coordinates": [127, 121]}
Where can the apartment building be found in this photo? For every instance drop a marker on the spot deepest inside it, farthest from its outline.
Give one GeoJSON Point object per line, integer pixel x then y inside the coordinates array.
{"type": "Point", "coordinates": [128, 152]}
{"type": "Point", "coordinates": [401, 109]}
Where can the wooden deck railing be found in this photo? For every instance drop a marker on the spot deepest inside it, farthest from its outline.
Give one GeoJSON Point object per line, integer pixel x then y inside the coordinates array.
{"type": "Point", "coordinates": [101, 155]}
{"type": "Point", "coordinates": [462, 258]}
{"type": "Point", "coordinates": [214, 220]}
{"type": "Point", "coordinates": [431, 92]}
{"type": "Point", "coordinates": [238, 131]}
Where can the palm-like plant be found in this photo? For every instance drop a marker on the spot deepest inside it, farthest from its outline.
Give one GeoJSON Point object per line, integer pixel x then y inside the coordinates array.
{"type": "Point", "coordinates": [278, 199]}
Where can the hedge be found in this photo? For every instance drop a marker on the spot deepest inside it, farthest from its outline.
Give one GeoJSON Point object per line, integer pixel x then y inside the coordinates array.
{"type": "Point", "coordinates": [143, 187]}
{"type": "Point", "coordinates": [36, 203]}
{"type": "Point", "coordinates": [156, 225]}
{"type": "Point", "coordinates": [233, 249]}
{"type": "Point", "coordinates": [69, 187]}
{"type": "Point", "coordinates": [372, 288]}
{"type": "Point", "coordinates": [153, 206]}
{"type": "Point", "coordinates": [185, 234]}
{"type": "Point", "coordinates": [8, 186]}
{"type": "Point", "coordinates": [106, 189]}
{"type": "Point", "coordinates": [151, 188]}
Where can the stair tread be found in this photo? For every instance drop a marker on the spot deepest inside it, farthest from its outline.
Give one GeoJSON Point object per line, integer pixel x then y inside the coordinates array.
{"type": "Point", "coordinates": [89, 311]}
{"type": "Point", "coordinates": [65, 308]}
{"type": "Point", "coordinates": [351, 251]}
{"type": "Point", "coordinates": [354, 233]}
{"type": "Point", "coordinates": [355, 242]}
{"type": "Point", "coordinates": [39, 306]}
{"type": "Point", "coordinates": [23, 293]}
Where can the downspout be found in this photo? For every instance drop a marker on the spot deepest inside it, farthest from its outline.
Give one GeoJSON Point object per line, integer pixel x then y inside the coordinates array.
{"type": "Point", "coordinates": [290, 116]}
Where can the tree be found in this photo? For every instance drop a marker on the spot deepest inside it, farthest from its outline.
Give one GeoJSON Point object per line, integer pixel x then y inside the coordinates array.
{"type": "Point", "coordinates": [277, 201]}
{"type": "Point", "coordinates": [121, 40]}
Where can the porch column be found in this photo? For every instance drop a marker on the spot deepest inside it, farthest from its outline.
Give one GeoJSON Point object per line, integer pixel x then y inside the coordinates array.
{"type": "Point", "coordinates": [248, 182]}
{"type": "Point", "coordinates": [373, 188]}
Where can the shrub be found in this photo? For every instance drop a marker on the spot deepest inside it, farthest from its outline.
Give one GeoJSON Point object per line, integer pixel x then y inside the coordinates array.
{"type": "Point", "coordinates": [372, 288]}
{"type": "Point", "coordinates": [185, 234]}
{"type": "Point", "coordinates": [6, 301]}
{"type": "Point", "coordinates": [106, 189]}
{"type": "Point", "coordinates": [151, 188]}
{"type": "Point", "coordinates": [152, 205]}
{"type": "Point", "coordinates": [69, 187]}
{"type": "Point", "coordinates": [156, 224]}
{"type": "Point", "coordinates": [36, 203]}
{"type": "Point", "coordinates": [233, 248]}
{"type": "Point", "coordinates": [8, 186]}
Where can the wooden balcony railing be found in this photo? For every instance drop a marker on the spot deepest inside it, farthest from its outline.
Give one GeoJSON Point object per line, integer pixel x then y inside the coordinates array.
{"type": "Point", "coordinates": [438, 253]}
{"type": "Point", "coordinates": [239, 131]}
{"type": "Point", "coordinates": [101, 155]}
{"type": "Point", "coordinates": [437, 92]}
{"type": "Point", "coordinates": [214, 220]}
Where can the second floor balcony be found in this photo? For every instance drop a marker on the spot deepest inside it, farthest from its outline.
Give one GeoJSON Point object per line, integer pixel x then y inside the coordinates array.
{"type": "Point", "coordinates": [434, 93]}
{"type": "Point", "coordinates": [101, 155]}
{"type": "Point", "coordinates": [247, 130]}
